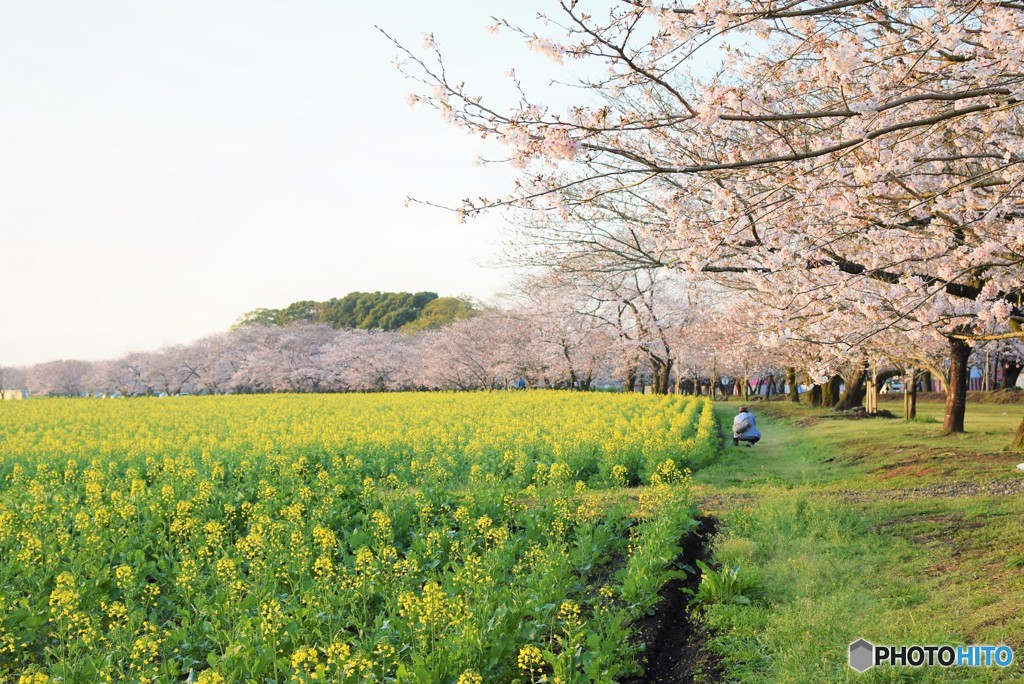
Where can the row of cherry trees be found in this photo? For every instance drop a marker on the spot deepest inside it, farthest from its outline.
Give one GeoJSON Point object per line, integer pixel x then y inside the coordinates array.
{"type": "Point", "coordinates": [851, 170]}
{"type": "Point", "coordinates": [639, 328]}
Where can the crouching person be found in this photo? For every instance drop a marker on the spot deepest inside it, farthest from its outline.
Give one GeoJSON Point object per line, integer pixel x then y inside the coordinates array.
{"type": "Point", "coordinates": [744, 428]}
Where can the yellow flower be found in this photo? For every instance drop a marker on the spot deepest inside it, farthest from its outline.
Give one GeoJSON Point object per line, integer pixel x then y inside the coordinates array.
{"type": "Point", "coordinates": [271, 616]}
{"type": "Point", "coordinates": [569, 612]}
{"type": "Point", "coordinates": [323, 568]}
{"type": "Point", "coordinates": [144, 652]}
{"type": "Point", "coordinates": [64, 597]}
{"type": "Point", "coordinates": [34, 678]}
{"type": "Point", "coordinates": [619, 475]}
{"type": "Point", "coordinates": [305, 657]}
{"type": "Point", "coordinates": [338, 653]}
{"type": "Point", "coordinates": [123, 577]}
{"type": "Point", "coordinates": [325, 538]}
{"type": "Point", "coordinates": [530, 659]}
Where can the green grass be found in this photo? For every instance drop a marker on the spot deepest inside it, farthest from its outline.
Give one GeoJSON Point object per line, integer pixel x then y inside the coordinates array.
{"type": "Point", "coordinates": [892, 452]}
{"type": "Point", "coordinates": [785, 458]}
{"type": "Point", "coordinates": [816, 511]}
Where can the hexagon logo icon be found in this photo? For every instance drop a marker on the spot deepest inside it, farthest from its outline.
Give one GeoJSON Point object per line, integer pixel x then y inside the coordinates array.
{"type": "Point", "coordinates": [862, 655]}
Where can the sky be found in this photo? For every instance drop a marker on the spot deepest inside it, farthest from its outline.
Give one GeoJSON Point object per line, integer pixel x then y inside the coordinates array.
{"type": "Point", "coordinates": [167, 166]}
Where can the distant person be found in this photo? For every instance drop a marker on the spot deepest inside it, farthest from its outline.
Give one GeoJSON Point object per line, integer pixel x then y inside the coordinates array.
{"type": "Point", "coordinates": [744, 428]}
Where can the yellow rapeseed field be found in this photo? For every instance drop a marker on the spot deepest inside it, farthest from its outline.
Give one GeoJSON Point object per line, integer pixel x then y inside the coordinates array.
{"type": "Point", "coordinates": [390, 537]}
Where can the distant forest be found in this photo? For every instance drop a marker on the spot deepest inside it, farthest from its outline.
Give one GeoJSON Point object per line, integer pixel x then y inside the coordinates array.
{"type": "Point", "coordinates": [403, 311]}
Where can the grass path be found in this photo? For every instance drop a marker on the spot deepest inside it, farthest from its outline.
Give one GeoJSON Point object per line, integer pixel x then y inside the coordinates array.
{"type": "Point", "coordinates": [875, 529]}
{"type": "Point", "coordinates": [784, 460]}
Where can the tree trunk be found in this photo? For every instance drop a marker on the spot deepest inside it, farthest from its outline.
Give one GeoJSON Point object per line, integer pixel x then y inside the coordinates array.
{"type": "Point", "coordinates": [1011, 371]}
{"type": "Point", "coordinates": [926, 381]}
{"type": "Point", "coordinates": [831, 397]}
{"type": "Point", "coordinates": [956, 388]}
{"type": "Point", "coordinates": [794, 392]}
{"type": "Point", "coordinates": [910, 395]}
{"type": "Point", "coordinates": [728, 388]}
{"type": "Point", "coordinates": [986, 379]}
{"type": "Point", "coordinates": [656, 378]}
{"type": "Point", "coordinates": [814, 395]}
{"type": "Point", "coordinates": [871, 391]}
{"type": "Point", "coordinates": [854, 394]}
{"type": "Point", "coordinates": [631, 379]}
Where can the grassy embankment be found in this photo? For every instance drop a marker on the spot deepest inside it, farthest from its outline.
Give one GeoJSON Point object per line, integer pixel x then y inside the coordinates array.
{"type": "Point", "coordinates": [878, 529]}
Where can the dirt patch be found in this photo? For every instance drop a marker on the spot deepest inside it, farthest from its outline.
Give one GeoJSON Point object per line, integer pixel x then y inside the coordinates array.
{"type": "Point", "coordinates": [922, 462]}
{"type": "Point", "coordinates": [950, 536]}
{"type": "Point", "coordinates": [731, 501]}
{"type": "Point", "coordinates": [676, 646]}
{"type": "Point", "coordinates": [944, 490]}
{"type": "Point", "coordinates": [808, 421]}
{"type": "Point", "coordinates": [951, 531]}
{"type": "Point", "coordinates": [859, 414]}
{"type": "Point", "coordinates": [893, 470]}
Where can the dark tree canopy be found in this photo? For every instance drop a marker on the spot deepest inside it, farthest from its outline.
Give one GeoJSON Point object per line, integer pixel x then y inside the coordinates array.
{"type": "Point", "coordinates": [369, 311]}
{"type": "Point", "coordinates": [440, 312]}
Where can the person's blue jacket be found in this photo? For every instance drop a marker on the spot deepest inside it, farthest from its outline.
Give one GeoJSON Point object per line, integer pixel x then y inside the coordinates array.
{"type": "Point", "coordinates": [744, 426]}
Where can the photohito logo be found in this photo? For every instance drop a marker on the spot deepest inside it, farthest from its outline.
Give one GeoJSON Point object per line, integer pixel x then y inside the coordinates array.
{"type": "Point", "coordinates": [864, 655]}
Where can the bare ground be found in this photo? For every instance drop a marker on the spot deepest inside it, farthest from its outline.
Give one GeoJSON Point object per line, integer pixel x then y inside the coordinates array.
{"type": "Point", "coordinates": [675, 651]}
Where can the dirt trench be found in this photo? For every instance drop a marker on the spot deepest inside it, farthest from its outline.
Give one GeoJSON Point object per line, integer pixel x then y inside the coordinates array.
{"type": "Point", "coordinates": [676, 645]}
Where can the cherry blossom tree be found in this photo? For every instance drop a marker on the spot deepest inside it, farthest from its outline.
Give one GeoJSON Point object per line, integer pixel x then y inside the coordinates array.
{"type": "Point", "coordinates": [216, 362]}
{"type": "Point", "coordinates": [174, 370]}
{"type": "Point", "coordinates": [574, 344]}
{"type": "Point", "coordinates": [58, 378]}
{"type": "Point", "coordinates": [122, 376]}
{"type": "Point", "coordinates": [644, 307]}
{"type": "Point", "coordinates": [859, 151]}
{"type": "Point", "coordinates": [12, 378]}
{"type": "Point", "coordinates": [374, 361]}
{"type": "Point", "coordinates": [464, 354]}
{"type": "Point", "coordinates": [287, 359]}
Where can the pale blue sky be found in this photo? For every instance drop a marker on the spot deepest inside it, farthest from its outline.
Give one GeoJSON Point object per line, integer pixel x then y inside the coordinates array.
{"type": "Point", "coordinates": [167, 166]}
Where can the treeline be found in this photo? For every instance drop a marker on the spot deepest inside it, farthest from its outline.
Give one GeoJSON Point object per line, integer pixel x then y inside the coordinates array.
{"type": "Point", "coordinates": [544, 336]}
{"type": "Point", "coordinates": [388, 311]}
